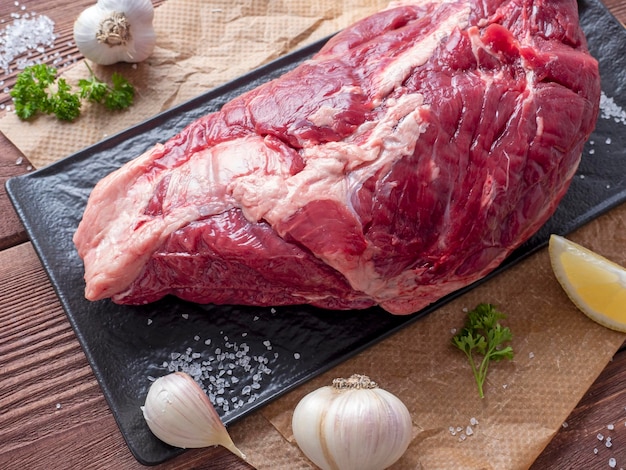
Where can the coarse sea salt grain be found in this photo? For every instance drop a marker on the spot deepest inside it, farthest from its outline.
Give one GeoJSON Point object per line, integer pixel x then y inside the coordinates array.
{"type": "Point", "coordinates": [609, 109]}
{"type": "Point", "coordinates": [25, 34]}
{"type": "Point", "coordinates": [220, 372]}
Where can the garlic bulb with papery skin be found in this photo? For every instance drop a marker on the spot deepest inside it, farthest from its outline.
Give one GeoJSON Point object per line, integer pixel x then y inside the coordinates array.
{"type": "Point", "coordinates": [179, 413]}
{"type": "Point", "coordinates": [116, 31]}
{"type": "Point", "coordinates": [352, 424]}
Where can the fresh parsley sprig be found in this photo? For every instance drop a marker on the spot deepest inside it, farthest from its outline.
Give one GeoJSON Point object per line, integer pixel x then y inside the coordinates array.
{"type": "Point", "coordinates": [116, 97]}
{"type": "Point", "coordinates": [482, 340]}
{"type": "Point", "coordinates": [37, 90]}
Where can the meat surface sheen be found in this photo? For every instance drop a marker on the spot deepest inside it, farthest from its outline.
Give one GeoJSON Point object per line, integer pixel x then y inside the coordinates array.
{"type": "Point", "coordinates": [404, 161]}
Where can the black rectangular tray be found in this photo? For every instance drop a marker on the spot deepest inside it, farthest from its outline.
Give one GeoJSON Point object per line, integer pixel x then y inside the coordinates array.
{"type": "Point", "coordinates": [267, 351]}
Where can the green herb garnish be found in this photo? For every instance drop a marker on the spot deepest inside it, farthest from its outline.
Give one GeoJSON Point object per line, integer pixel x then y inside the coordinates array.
{"type": "Point", "coordinates": [483, 337]}
{"type": "Point", "coordinates": [116, 97]}
{"type": "Point", "coordinates": [37, 89]}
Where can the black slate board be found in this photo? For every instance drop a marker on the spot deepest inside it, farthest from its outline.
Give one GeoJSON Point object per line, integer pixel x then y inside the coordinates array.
{"type": "Point", "coordinates": [126, 345]}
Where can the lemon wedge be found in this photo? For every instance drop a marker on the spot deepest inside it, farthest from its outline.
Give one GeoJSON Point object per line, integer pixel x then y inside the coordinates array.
{"type": "Point", "coordinates": [595, 285]}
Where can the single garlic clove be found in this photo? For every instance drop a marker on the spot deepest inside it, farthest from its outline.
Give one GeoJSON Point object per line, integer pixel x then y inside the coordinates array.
{"type": "Point", "coordinates": [179, 413]}
{"type": "Point", "coordinates": [352, 425]}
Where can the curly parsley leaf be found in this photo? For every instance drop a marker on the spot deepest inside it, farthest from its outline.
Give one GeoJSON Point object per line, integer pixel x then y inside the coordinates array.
{"type": "Point", "coordinates": [31, 91]}
{"type": "Point", "coordinates": [121, 95]}
{"type": "Point", "coordinates": [66, 105]}
{"type": "Point", "coordinates": [482, 340]}
{"type": "Point", "coordinates": [92, 89]}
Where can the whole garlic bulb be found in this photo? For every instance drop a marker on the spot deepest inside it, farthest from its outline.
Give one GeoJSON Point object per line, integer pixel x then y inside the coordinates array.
{"type": "Point", "coordinates": [116, 31]}
{"type": "Point", "coordinates": [352, 424]}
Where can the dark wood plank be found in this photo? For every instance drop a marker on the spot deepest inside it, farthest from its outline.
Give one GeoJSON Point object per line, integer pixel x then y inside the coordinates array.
{"type": "Point", "coordinates": [12, 163]}
{"type": "Point", "coordinates": [577, 445]}
{"type": "Point", "coordinates": [53, 412]}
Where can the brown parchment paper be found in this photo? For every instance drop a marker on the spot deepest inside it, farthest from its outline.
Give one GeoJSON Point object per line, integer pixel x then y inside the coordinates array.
{"type": "Point", "coordinates": [559, 352]}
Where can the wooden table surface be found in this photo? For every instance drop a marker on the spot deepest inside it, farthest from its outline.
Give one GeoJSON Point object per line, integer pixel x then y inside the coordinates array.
{"type": "Point", "coordinates": [52, 412]}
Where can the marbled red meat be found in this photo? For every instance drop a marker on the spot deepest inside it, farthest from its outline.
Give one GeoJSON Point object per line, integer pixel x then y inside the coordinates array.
{"type": "Point", "coordinates": [405, 160]}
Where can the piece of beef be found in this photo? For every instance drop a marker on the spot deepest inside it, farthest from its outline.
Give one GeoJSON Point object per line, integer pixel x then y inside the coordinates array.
{"type": "Point", "coordinates": [405, 160]}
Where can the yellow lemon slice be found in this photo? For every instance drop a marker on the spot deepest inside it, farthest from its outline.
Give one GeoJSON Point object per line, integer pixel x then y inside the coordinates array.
{"type": "Point", "coordinates": [596, 285]}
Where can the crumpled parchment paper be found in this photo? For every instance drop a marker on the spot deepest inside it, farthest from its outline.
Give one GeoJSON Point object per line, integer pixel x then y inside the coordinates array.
{"type": "Point", "coordinates": [558, 351]}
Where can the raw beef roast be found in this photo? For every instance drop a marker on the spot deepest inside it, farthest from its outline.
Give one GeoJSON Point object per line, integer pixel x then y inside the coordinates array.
{"type": "Point", "coordinates": [405, 160]}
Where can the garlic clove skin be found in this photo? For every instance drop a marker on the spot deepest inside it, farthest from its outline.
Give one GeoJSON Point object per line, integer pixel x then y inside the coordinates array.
{"type": "Point", "coordinates": [139, 39]}
{"type": "Point", "coordinates": [180, 414]}
{"type": "Point", "coordinates": [352, 428]}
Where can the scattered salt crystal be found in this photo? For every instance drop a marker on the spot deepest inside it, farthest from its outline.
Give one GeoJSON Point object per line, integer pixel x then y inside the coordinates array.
{"type": "Point", "coordinates": [196, 338]}
{"type": "Point", "coordinates": [207, 342]}
{"type": "Point", "coordinates": [531, 355]}
{"type": "Point", "coordinates": [610, 426]}
{"type": "Point", "coordinates": [58, 406]}
{"type": "Point", "coordinates": [565, 424]}
{"type": "Point", "coordinates": [453, 331]}
{"type": "Point", "coordinates": [608, 141]}
{"type": "Point", "coordinates": [600, 437]}
{"type": "Point", "coordinates": [185, 316]}
{"type": "Point", "coordinates": [592, 151]}
{"type": "Point", "coordinates": [612, 462]}
{"type": "Point", "coordinates": [469, 431]}
{"type": "Point", "coordinates": [595, 450]}
{"type": "Point", "coordinates": [611, 110]}
{"type": "Point", "coordinates": [23, 35]}
{"type": "Point", "coordinates": [296, 356]}
{"type": "Point", "coordinates": [151, 379]}
{"type": "Point", "coordinates": [149, 321]}
{"type": "Point", "coordinates": [255, 318]}
{"type": "Point", "coordinates": [272, 310]}
{"type": "Point", "coordinates": [19, 161]}
{"type": "Point", "coordinates": [462, 437]}
{"type": "Point", "coordinates": [473, 421]}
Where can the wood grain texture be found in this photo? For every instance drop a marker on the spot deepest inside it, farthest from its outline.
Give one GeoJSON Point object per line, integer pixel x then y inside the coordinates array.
{"type": "Point", "coordinates": [53, 414]}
